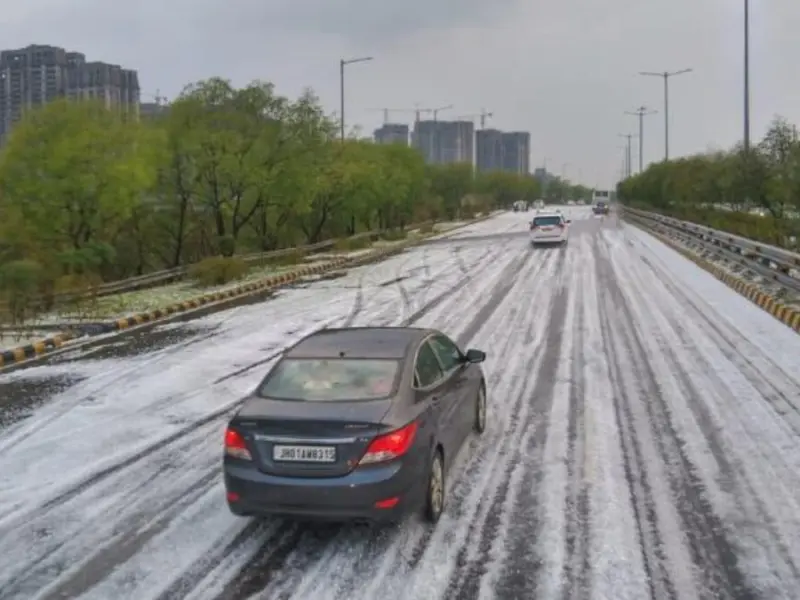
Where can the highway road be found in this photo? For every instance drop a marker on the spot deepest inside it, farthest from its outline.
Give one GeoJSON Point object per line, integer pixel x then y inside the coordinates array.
{"type": "Point", "coordinates": [643, 440]}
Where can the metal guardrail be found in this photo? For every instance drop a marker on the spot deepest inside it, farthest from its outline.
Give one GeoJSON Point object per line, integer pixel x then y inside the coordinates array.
{"type": "Point", "coordinates": [166, 276]}
{"type": "Point", "coordinates": [773, 263]}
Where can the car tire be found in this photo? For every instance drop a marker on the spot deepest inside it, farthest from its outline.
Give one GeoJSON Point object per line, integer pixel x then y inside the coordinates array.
{"type": "Point", "coordinates": [480, 410]}
{"type": "Point", "coordinates": [436, 489]}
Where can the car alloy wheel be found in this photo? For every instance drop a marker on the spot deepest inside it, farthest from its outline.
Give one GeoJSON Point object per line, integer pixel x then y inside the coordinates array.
{"type": "Point", "coordinates": [436, 490]}
{"type": "Point", "coordinates": [480, 411]}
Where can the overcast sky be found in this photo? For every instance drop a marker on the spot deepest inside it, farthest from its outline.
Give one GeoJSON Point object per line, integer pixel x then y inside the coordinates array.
{"type": "Point", "coordinates": [564, 70]}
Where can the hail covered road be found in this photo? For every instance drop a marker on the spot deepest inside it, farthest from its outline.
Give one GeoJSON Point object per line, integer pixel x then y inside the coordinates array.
{"type": "Point", "coordinates": [643, 441]}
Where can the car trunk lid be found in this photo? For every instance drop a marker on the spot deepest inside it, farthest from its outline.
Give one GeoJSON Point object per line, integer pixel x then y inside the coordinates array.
{"type": "Point", "coordinates": [310, 439]}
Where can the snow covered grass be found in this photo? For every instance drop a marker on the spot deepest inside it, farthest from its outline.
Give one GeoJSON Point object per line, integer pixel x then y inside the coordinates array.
{"type": "Point", "coordinates": [138, 301]}
{"type": "Point", "coordinates": [118, 305]}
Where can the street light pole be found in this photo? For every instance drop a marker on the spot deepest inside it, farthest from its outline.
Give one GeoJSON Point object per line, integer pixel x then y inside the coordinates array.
{"type": "Point", "coordinates": [628, 155]}
{"type": "Point", "coordinates": [666, 75]}
{"type": "Point", "coordinates": [342, 64]}
{"type": "Point", "coordinates": [641, 112]}
{"type": "Point", "coordinates": [747, 76]}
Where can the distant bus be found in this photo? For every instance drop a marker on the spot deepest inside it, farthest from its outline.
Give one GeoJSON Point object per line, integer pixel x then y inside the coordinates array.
{"type": "Point", "coordinates": [600, 202]}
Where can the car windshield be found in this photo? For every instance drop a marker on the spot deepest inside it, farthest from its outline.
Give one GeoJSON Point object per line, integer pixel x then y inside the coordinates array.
{"type": "Point", "coordinates": [546, 221]}
{"type": "Point", "coordinates": [330, 380]}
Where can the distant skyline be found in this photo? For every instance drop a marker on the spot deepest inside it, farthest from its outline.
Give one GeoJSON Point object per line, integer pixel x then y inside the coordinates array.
{"type": "Point", "coordinates": [564, 71]}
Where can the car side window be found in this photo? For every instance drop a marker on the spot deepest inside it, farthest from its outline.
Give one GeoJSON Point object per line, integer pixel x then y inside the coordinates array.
{"type": "Point", "coordinates": [427, 367]}
{"type": "Point", "coordinates": [447, 351]}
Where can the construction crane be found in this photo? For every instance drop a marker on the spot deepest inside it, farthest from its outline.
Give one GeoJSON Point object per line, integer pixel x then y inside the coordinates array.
{"type": "Point", "coordinates": [483, 115]}
{"type": "Point", "coordinates": [386, 112]}
{"type": "Point", "coordinates": [433, 111]}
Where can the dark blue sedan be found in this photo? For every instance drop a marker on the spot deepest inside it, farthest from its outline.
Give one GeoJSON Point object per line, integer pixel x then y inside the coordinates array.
{"type": "Point", "coordinates": [355, 424]}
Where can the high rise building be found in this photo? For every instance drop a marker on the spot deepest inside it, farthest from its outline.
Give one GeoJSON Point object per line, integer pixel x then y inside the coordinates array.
{"type": "Point", "coordinates": [489, 150]}
{"type": "Point", "coordinates": [38, 74]}
{"type": "Point", "coordinates": [424, 139]}
{"type": "Point", "coordinates": [503, 151]}
{"type": "Point", "coordinates": [456, 142]}
{"type": "Point", "coordinates": [516, 152]}
{"type": "Point", "coordinates": [392, 133]}
{"type": "Point", "coordinates": [444, 142]}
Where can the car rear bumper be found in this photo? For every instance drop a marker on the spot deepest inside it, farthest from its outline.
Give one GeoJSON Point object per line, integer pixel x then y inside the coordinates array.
{"type": "Point", "coordinates": [556, 238]}
{"type": "Point", "coordinates": [352, 497]}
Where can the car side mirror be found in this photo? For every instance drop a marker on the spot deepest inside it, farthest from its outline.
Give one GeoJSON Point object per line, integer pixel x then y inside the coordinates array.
{"type": "Point", "coordinates": [569, 221]}
{"type": "Point", "coordinates": [475, 356]}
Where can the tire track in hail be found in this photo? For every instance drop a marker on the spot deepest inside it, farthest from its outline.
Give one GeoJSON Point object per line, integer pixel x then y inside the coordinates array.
{"type": "Point", "coordinates": [640, 492]}
{"type": "Point", "coordinates": [273, 551]}
{"type": "Point", "coordinates": [376, 544]}
{"type": "Point", "coordinates": [14, 435]}
{"type": "Point", "coordinates": [509, 281]}
{"type": "Point", "coordinates": [146, 519]}
{"type": "Point", "coordinates": [733, 479]}
{"type": "Point", "coordinates": [526, 448]}
{"type": "Point", "coordinates": [483, 265]}
{"type": "Point", "coordinates": [712, 554]}
{"type": "Point", "coordinates": [577, 569]}
{"type": "Point", "coordinates": [123, 547]}
{"type": "Point", "coordinates": [734, 351]}
{"type": "Point", "coordinates": [359, 302]}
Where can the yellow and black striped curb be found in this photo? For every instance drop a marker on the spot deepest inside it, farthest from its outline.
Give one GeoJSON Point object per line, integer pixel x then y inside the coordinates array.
{"type": "Point", "coordinates": [785, 314]}
{"type": "Point", "coordinates": [32, 350]}
{"type": "Point", "coordinates": [40, 347]}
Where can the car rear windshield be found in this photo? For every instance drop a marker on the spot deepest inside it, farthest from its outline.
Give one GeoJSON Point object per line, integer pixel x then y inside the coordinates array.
{"type": "Point", "coordinates": [546, 221]}
{"type": "Point", "coordinates": [330, 380]}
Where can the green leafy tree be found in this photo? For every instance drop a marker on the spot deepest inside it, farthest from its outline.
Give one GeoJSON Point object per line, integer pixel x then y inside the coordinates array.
{"type": "Point", "coordinates": [71, 176]}
{"type": "Point", "coordinates": [87, 193]}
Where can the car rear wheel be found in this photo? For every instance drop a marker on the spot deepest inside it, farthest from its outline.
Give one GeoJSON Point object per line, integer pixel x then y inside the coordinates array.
{"type": "Point", "coordinates": [480, 411]}
{"type": "Point", "coordinates": [434, 504]}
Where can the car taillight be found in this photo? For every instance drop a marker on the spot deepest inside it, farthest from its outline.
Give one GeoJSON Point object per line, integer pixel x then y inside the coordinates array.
{"type": "Point", "coordinates": [390, 445]}
{"type": "Point", "coordinates": [562, 225]}
{"type": "Point", "coordinates": [235, 446]}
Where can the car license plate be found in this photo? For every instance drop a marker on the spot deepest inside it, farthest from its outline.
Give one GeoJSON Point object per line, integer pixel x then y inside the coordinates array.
{"type": "Point", "coordinates": [316, 454]}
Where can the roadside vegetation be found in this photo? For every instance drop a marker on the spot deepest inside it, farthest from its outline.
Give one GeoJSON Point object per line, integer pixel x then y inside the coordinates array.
{"type": "Point", "coordinates": [754, 195]}
{"type": "Point", "coordinates": [90, 196]}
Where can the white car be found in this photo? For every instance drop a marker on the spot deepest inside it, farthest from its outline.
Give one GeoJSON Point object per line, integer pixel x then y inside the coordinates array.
{"type": "Point", "coordinates": [549, 228]}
